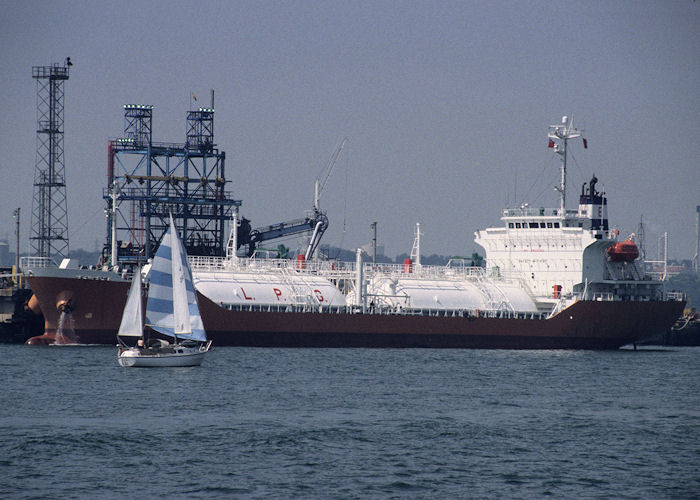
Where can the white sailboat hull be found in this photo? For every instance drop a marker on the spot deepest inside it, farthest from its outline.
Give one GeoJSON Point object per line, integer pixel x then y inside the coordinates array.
{"type": "Point", "coordinates": [176, 355]}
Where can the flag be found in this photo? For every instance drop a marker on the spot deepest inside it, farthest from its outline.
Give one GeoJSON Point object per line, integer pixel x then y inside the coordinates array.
{"type": "Point", "coordinates": [194, 97]}
{"type": "Point", "coordinates": [585, 143]}
{"type": "Point", "coordinates": [551, 144]}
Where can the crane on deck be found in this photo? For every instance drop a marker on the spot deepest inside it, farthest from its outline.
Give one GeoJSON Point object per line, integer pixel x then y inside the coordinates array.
{"type": "Point", "coordinates": [315, 220]}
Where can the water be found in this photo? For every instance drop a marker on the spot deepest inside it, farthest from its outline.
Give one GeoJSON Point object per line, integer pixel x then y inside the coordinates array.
{"type": "Point", "coordinates": [65, 333]}
{"type": "Point", "coordinates": [351, 423]}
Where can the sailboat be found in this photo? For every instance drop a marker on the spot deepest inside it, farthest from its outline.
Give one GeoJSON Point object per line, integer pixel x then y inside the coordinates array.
{"type": "Point", "coordinates": [171, 310]}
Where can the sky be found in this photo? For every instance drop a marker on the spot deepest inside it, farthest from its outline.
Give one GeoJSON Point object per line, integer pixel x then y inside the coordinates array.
{"type": "Point", "coordinates": [445, 105]}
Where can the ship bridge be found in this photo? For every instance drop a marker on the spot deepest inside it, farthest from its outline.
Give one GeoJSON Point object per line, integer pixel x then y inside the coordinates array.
{"type": "Point", "coordinates": [544, 247]}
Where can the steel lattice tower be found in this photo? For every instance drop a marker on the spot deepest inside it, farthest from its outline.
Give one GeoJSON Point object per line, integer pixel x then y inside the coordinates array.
{"type": "Point", "coordinates": [49, 228]}
{"type": "Point", "coordinates": [147, 180]}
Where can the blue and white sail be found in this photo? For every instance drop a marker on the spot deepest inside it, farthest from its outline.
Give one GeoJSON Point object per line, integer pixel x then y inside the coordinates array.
{"type": "Point", "coordinates": [172, 307]}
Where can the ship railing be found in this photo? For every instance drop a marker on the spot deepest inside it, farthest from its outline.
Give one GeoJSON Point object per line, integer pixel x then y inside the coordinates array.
{"type": "Point", "coordinates": [535, 211]}
{"type": "Point", "coordinates": [385, 311]}
{"type": "Point", "coordinates": [603, 296]}
{"type": "Point", "coordinates": [463, 271]}
{"type": "Point", "coordinates": [461, 266]}
{"type": "Point", "coordinates": [331, 268]}
{"type": "Point", "coordinates": [540, 212]}
{"type": "Point", "coordinates": [423, 271]}
{"type": "Point", "coordinates": [36, 262]}
{"type": "Point", "coordinates": [677, 296]}
{"type": "Point", "coordinates": [203, 263]}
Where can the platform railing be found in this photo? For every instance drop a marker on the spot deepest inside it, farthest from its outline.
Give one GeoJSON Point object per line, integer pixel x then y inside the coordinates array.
{"type": "Point", "coordinates": [36, 262]}
{"type": "Point", "coordinates": [400, 311]}
{"type": "Point", "coordinates": [677, 296]}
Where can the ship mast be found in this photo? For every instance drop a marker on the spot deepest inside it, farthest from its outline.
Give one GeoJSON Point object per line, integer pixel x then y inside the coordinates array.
{"type": "Point", "coordinates": [558, 137]}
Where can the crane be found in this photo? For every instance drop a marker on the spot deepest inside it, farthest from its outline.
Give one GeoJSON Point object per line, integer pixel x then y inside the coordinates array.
{"type": "Point", "coordinates": [319, 185]}
{"type": "Point", "coordinates": [320, 217]}
{"type": "Point", "coordinates": [315, 219]}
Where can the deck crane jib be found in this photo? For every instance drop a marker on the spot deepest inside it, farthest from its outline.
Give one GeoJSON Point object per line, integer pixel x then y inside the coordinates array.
{"type": "Point", "coordinates": [320, 216]}
{"type": "Point", "coordinates": [322, 179]}
{"type": "Point", "coordinates": [315, 220]}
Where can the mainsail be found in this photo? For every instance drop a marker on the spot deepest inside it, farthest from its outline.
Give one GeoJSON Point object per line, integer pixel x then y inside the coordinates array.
{"type": "Point", "coordinates": [172, 301]}
{"type": "Point", "coordinates": [132, 318]}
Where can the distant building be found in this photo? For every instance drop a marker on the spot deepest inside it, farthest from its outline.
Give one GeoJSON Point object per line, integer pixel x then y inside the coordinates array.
{"type": "Point", "coordinates": [368, 249]}
{"type": "Point", "coordinates": [5, 257]}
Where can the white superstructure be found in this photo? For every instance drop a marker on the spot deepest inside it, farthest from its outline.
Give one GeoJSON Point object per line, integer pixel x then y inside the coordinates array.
{"type": "Point", "coordinates": [558, 253]}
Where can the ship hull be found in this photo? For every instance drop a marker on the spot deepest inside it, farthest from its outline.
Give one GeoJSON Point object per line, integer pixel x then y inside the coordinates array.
{"type": "Point", "coordinates": [96, 308]}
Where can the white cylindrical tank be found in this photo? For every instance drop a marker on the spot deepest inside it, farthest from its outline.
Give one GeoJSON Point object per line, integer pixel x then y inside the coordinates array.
{"type": "Point", "coordinates": [420, 293]}
{"type": "Point", "coordinates": [265, 288]}
{"type": "Point", "coordinates": [516, 297]}
{"type": "Point", "coordinates": [424, 293]}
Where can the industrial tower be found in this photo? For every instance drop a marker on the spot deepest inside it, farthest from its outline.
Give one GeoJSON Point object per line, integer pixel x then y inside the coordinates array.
{"type": "Point", "coordinates": [147, 180]}
{"type": "Point", "coordinates": [49, 227]}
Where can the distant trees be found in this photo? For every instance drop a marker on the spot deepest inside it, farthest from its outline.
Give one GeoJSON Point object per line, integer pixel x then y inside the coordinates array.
{"type": "Point", "coordinates": [689, 283]}
{"type": "Point", "coordinates": [340, 254]}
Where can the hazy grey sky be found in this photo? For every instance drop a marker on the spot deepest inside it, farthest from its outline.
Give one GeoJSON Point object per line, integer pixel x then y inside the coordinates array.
{"type": "Point", "coordinates": [446, 105]}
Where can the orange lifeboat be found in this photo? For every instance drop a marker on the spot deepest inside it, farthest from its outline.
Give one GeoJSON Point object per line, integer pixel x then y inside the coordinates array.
{"type": "Point", "coordinates": [624, 251]}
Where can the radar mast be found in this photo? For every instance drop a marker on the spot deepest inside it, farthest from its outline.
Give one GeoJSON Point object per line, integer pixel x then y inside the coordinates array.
{"type": "Point", "coordinates": [558, 136]}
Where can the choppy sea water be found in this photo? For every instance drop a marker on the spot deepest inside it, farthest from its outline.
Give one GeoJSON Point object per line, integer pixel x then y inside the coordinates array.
{"type": "Point", "coordinates": [351, 423]}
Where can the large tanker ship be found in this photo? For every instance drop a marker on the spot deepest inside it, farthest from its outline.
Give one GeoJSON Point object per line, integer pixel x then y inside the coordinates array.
{"type": "Point", "coordinates": [554, 278]}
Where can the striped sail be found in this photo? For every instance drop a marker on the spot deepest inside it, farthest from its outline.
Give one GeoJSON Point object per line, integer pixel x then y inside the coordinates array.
{"type": "Point", "coordinates": [172, 307]}
{"type": "Point", "coordinates": [132, 317]}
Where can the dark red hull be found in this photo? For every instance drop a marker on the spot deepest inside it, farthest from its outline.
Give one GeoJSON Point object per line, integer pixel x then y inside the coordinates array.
{"type": "Point", "coordinates": [97, 308]}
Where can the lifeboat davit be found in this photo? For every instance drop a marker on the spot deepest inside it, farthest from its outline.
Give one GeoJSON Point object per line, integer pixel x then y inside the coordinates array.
{"type": "Point", "coordinates": [624, 251]}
